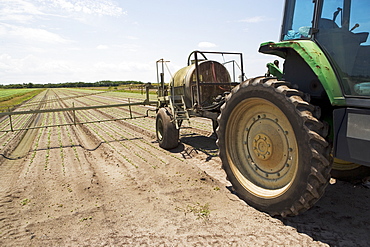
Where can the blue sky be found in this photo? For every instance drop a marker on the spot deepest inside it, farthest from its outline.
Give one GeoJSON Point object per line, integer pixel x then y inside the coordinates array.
{"type": "Point", "coordinates": [53, 41]}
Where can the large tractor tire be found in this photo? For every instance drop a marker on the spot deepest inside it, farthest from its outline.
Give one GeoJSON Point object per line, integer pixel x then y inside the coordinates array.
{"type": "Point", "coordinates": [272, 148]}
{"type": "Point", "coordinates": [167, 133]}
{"type": "Point", "coordinates": [349, 171]}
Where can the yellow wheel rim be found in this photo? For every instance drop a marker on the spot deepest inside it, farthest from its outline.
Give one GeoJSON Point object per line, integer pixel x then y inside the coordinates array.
{"type": "Point", "coordinates": [261, 148]}
{"type": "Point", "coordinates": [342, 165]}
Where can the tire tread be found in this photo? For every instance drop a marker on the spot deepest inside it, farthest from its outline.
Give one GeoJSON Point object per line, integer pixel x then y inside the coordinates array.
{"type": "Point", "coordinates": [319, 177]}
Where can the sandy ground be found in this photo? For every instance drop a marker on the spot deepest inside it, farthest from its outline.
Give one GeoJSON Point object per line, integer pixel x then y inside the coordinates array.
{"type": "Point", "coordinates": [109, 184]}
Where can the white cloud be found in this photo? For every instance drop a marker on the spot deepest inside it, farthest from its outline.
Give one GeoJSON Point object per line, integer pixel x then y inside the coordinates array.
{"type": "Point", "coordinates": [38, 69]}
{"type": "Point", "coordinates": [132, 37]}
{"type": "Point", "coordinates": [18, 7]}
{"type": "Point", "coordinates": [255, 19]}
{"type": "Point", "coordinates": [102, 47]}
{"type": "Point", "coordinates": [31, 34]}
{"type": "Point", "coordinates": [122, 66]}
{"type": "Point", "coordinates": [93, 7]}
{"type": "Point", "coordinates": [23, 11]}
{"type": "Point", "coordinates": [8, 64]}
{"type": "Point", "coordinates": [127, 47]}
{"type": "Point", "coordinates": [31, 64]}
{"type": "Point", "coordinates": [206, 45]}
{"type": "Point", "coordinates": [18, 10]}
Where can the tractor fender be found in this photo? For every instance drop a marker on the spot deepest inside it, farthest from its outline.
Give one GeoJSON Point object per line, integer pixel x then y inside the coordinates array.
{"type": "Point", "coordinates": [317, 61]}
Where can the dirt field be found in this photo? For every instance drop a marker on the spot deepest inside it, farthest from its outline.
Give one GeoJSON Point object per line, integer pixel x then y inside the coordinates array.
{"type": "Point", "coordinates": [109, 184]}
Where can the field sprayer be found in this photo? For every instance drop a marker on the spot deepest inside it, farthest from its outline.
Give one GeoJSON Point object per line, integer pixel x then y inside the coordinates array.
{"type": "Point", "coordinates": [197, 90]}
{"type": "Point", "coordinates": [281, 138]}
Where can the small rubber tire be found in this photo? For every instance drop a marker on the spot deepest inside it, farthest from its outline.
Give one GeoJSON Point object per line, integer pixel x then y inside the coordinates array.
{"type": "Point", "coordinates": [272, 148]}
{"type": "Point", "coordinates": [214, 125]}
{"type": "Point", "coordinates": [166, 131]}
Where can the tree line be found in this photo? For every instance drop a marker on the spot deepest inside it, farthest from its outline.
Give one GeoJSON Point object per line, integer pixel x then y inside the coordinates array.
{"type": "Point", "coordinates": [105, 83]}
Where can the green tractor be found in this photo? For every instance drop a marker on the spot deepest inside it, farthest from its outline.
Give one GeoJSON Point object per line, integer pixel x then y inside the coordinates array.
{"type": "Point", "coordinates": [282, 137]}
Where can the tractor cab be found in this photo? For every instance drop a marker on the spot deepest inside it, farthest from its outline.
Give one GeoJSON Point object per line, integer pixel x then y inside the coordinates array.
{"type": "Point", "coordinates": [326, 47]}
{"type": "Point", "coordinates": [341, 29]}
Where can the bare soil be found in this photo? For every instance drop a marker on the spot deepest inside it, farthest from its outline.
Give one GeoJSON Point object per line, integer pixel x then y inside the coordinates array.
{"type": "Point", "coordinates": [109, 184]}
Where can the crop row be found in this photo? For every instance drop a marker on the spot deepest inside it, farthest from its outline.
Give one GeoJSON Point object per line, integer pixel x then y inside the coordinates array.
{"type": "Point", "coordinates": [49, 141]}
{"type": "Point", "coordinates": [122, 112]}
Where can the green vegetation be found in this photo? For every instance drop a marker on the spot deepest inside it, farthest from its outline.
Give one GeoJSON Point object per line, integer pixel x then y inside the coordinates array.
{"type": "Point", "coordinates": [25, 201]}
{"type": "Point", "coordinates": [12, 97]}
{"type": "Point", "coordinates": [11, 93]}
{"type": "Point", "coordinates": [48, 143]}
{"type": "Point", "coordinates": [200, 211]}
{"type": "Point", "coordinates": [132, 90]}
{"type": "Point", "coordinates": [86, 218]}
{"type": "Point", "coordinates": [34, 150]}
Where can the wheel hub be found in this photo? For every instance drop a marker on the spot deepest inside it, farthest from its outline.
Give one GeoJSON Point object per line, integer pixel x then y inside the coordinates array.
{"type": "Point", "coordinates": [268, 146]}
{"type": "Point", "coordinates": [262, 146]}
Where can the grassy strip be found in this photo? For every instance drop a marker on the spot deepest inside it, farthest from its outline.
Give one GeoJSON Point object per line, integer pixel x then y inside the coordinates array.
{"type": "Point", "coordinates": [16, 99]}
{"type": "Point", "coordinates": [6, 94]}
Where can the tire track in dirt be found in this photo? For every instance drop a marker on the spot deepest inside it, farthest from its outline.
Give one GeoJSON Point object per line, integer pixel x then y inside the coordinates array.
{"type": "Point", "coordinates": [10, 171]}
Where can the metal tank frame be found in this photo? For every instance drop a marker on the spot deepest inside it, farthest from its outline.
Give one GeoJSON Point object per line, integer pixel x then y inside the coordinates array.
{"type": "Point", "coordinates": [183, 98]}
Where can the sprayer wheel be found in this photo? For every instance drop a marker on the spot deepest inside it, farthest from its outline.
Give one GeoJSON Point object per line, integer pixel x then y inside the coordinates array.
{"type": "Point", "coordinates": [166, 131]}
{"type": "Point", "coordinates": [271, 149]}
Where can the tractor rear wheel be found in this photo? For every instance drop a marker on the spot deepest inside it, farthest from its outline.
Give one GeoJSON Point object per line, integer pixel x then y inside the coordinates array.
{"type": "Point", "coordinates": [271, 148]}
{"type": "Point", "coordinates": [166, 131]}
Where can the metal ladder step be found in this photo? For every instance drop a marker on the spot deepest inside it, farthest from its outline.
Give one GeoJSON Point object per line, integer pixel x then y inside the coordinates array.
{"type": "Point", "coordinates": [178, 107]}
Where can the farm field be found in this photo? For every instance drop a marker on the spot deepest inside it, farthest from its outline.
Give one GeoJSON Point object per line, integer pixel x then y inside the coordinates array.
{"type": "Point", "coordinates": [109, 184]}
